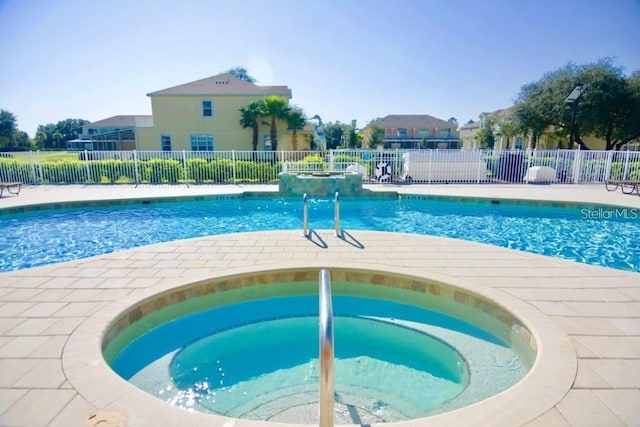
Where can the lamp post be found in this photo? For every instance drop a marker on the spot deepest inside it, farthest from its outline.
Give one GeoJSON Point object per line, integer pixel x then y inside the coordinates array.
{"type": "Point", "coordinates": [572, 99]}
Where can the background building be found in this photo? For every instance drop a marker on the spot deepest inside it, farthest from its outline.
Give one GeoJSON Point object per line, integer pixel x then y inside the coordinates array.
{"type": "Point", "coordinates": [204, 115]}
{"type": "Point", "coordinates": [415, 131]}
{"type": "Point", "coordinates": [114, 133]}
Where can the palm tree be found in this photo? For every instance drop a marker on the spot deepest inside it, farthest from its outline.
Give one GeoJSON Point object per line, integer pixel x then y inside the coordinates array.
{"type": "Point", "coordinates": [249, 119]}
{"type": "Point", "coordinates": [508, 130]}
{"type": "Point", "coordinates": [296, 120]}
{"type": "Point", "coordinates": [41, 139]}
{"type": "Point", "coordinates": [276, 108]}
{"type": "Point", "coordinates": [57, 138]}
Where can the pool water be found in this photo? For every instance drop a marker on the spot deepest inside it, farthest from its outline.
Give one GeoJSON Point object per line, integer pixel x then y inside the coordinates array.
{"type": "Point", "coordinates": [258, 358]}
{"type": "Point", "coordinates": [256, 371]}
{"type": "Point", "coordinates": [601, 237]}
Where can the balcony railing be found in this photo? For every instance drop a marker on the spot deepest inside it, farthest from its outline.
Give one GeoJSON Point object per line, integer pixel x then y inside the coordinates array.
{"type": "Point", "coordinates": [431, 136]}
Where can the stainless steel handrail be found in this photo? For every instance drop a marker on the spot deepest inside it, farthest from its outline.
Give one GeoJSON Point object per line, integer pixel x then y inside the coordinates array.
{"type": "Point", "coordinates": [326, 351]}
{"type": "Point", "coordinates": [305, 216]}
{"type": "Point", "coordinates": [336, 216]}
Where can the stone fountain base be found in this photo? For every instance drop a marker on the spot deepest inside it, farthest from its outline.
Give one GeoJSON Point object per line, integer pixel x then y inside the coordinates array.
{"type": "Point", "coordinates": [320, 183]}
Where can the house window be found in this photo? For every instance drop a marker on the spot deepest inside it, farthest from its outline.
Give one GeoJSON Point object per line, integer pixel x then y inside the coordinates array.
{"type": "Point", "coordinates": [445, 133]}
{"type": "Point", "coordinates": [202, 142]}
{"type": "Point", "coordinates": [165, 142]}
{"type": "Point", "coordinates": [423, 133]}
{"type": "Point", "coordinates": [207, 108]}
{"type": "Point", "coordinates": [401, 133]}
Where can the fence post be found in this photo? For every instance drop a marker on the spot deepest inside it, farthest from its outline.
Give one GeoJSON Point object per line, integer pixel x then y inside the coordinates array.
{"type": "Point", "coordinates": [607, 172]}
{"type": "Point", "coordinates": [135, 166]}
{"type": "Point", "coordinates": [233, 164]}
{"type": "Point", "coordinates": [184, 164]}
{"type": "Point", "coordinates": [626, 165]}
{"type": "Point", "coordinates": [86, 165]}
{"type": "Point", "coordinates": [32, 167]}
{"type": "Point", "coordinates": [40, 167]}
{"type": "Point", "coordinates": [479, 162]}
{"type": "Point", "coordinates": [577, 165]}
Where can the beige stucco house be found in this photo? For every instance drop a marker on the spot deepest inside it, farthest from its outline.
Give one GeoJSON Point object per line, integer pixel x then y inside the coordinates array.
{"type": "Point", "coordinates": [204, 116]}
{"type": "Point", "coordinates": [468, 135]}
{"type": "Point", "coordinates": [505, 140]}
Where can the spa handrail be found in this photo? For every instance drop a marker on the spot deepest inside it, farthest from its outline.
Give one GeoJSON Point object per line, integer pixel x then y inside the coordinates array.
{"type": "Point", "coordinates": [305, 216]}
{"type": "Point", "coordinates": [327, 375]}
{"type": "Point", "coordinates": [336, 217]}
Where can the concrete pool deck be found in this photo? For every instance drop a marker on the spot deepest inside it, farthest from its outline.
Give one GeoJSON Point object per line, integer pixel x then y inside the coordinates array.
{"type": "Point", "coordinates": [51, 372]}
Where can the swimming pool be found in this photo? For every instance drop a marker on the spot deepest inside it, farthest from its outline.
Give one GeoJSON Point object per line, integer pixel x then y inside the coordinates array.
{"type": "Point", "coordinates": [589, 234]}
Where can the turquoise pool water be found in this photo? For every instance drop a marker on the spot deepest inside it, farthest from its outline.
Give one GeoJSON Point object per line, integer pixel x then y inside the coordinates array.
{"type": "Point", "coordinates": [597, 236]}
{"type": "Point", "coordinates": [258, 358]}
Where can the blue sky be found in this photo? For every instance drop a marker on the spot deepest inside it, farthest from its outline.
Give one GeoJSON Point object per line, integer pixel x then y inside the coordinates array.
{"type": "Point", "coordinates": [343, 60]}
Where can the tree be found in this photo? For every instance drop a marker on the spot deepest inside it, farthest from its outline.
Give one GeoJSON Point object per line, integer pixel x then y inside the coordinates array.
{"type": "Point", "coordinates": [57, 138]}
{"type": "Point", "coordinates": [540, 105]}
{"type": "Point", "coordinates": [376, 137]}
{"type": "Point", "coordinates": [296, 120]}
{"type": "Point", "coordinates": [608, 108]}
{"type": "Point", "coordinates": [8, 128]}
{"type": "Point", "coordinates": [21, 139]}
{"type": "Point", "coordinates": [610, 104]}
{"type": "Point", "coordinates": [71, 128]}
{"type": "Point", "coordinates": [242, 74]}
{"type": "Point", "coordinates": [355, 138]}
{"type": "Point", "coordinates": [485, 136]}
{"type": "Point", "coordinates": [48, 130]}
{"type": "Point", "coordinates": [249, 119]}
{"type": "Point", "coordinates": [453, 120]}
{"type": "Point", "coordinates": [334, 134]}
{"type": "Point", "coordinates": [275, 108]}
{"type": "Point", "coordinates": [40, 139]}
{"type": "Point", "coordinates": [68, 129]}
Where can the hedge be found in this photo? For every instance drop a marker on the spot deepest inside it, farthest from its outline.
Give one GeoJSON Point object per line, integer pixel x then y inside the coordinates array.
{"type": "Point", "coordinates": [119, 171]}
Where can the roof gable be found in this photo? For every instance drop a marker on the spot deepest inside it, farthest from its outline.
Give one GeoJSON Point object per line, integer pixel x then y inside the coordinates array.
{"type": "Point", "coordinates": [501, 112]}
{"type": "Point", "coordinates": [123, 121]}
{"type": "Point", "coordinates": [412, 120]}
{"type": "Point", "coordinates": [471, 126]}
{"type": "Point", "coordinates": [223, 84]}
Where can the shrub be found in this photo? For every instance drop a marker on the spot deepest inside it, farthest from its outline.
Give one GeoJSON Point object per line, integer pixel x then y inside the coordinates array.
{"type": "Point", "coordinates": [63, 172]}
{"type": "Point", "coordinates": [313, 158]}
{"type": "Point", "coordinates": [13, 170]}
{"type": "Point", "coordinates": [159, 170]}
{"type": "Point", "coordinates": [618, 171]}
{"type": "Point", "coordinates": [110, 171]}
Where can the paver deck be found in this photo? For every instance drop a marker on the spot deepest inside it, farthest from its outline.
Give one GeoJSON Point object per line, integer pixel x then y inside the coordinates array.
{"type": "Point", "coordinates": [588, 317]}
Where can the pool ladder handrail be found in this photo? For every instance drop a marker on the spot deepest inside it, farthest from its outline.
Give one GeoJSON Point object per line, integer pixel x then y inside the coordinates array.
{"type": "Point", "coordinates": [305, 216]}
{"type": "Point", "coordinates": [326, 357]}
{"type": "Point", "coordinates": [336, 216]}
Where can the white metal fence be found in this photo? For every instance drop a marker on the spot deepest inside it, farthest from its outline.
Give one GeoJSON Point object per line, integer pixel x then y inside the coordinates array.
{"type": "Point", "coordinates": [391, 166]}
